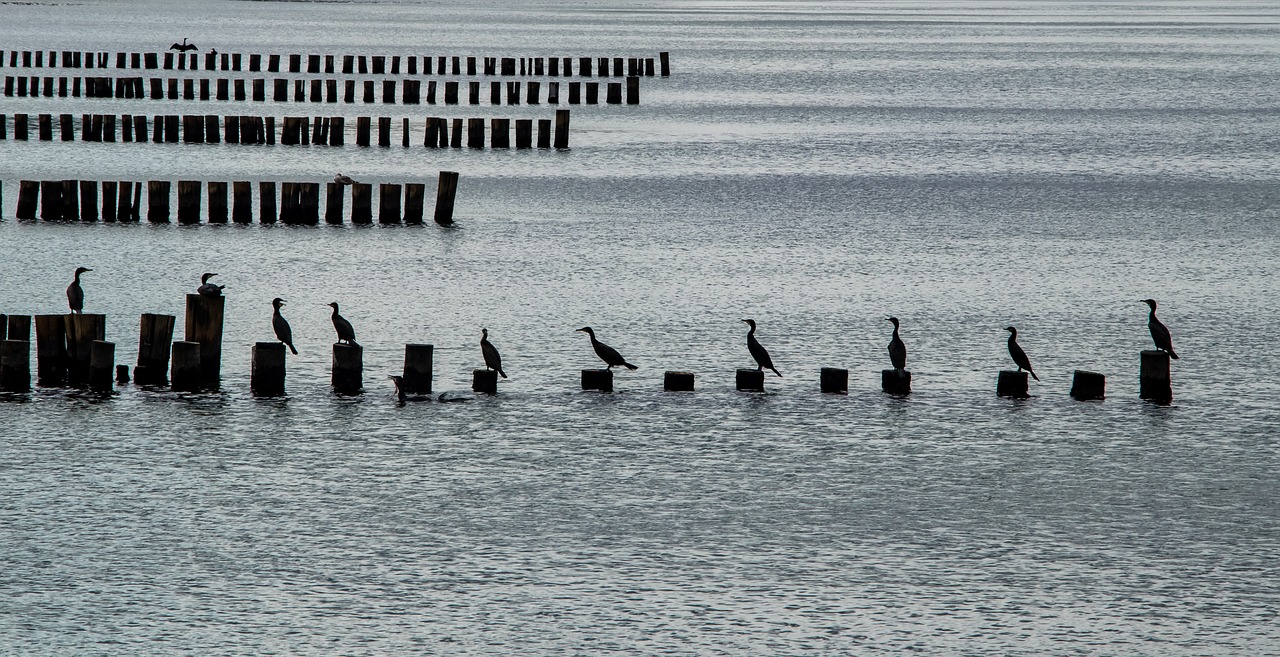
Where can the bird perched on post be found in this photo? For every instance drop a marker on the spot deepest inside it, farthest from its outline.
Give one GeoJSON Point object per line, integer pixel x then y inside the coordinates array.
{"type": "Point", "coordinates": [757, 350]}
{"type": "Point", "coordinates": [75, 293]}
{"type": "Point", "coordinates": [346, 333]}
{"type": "Point", "coordinates": [281, 326]}
{"type": "Point", "coordinates": [184, 46]}
{"type": "Point", "coordinates": [1159, 332]}
{"type": "Point", "coordinates": [492, 359]}
{"type": "Point", "coordinates": [208, 289]}
{"type": "Point", "coordinates": [897, 349]}
{"type": "Point", "coordinates": [606, 353]}
{"type": "Point", "coordinates": [343, 180]}
{"type": "Point", "coordinates": [1019, 356]}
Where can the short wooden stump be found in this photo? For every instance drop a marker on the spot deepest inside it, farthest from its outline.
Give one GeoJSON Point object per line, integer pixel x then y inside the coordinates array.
{"type": "Point", "coordinates": [418, 368]}
{"type": "Point", "coordinates": [15, 366]}
{"type": "Point", "coordinates": [1012, 384]}
{"type": "Point", "coordinates": [348, 369]}
{"type": "Point", "coordinates": [601, 380]}
{"type": "Point", "coordinates": [750, 380]}
{"type": "Point", "coordinates": [1154, 380]}
{"type": "Point", "coordinates": [895, 382]}
{"type": "Point", "coordinates": [484, 381]}
{"type": "Point", "coordinates": [834, 380]}
{"type": "Point", "coordinates": [122, 374]}
{"type": "Point", "coordinates": [1086, 386]}
{"type": "Point", "coordinates": [677, 381]}
{"type": "Point", "coordinates": [266, 378]}
{"type": "Point", "coordinates": [184, 366]}
{"type": "Point", "coordinates": [102, 365]}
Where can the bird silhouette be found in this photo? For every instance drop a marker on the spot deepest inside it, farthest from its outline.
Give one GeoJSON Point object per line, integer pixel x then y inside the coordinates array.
{"type": "Point", "coordinates": [346, 333]}
{"type": "Point", "coordinates": [1019, 356]}
{"type": "Point", "coordinates": [606, 353]}
{"type": "Point", "coordinates": [492, 359]}
{"type": "Point", "coordinates": [184, 46]}
{"type": "Point", "coordinates": [281, 326]}
{"type": "Point", "coordinates": [208, 289]}
{"type": "Point", "coordinates": [75, 293]}
{"type": "Point", "coordinates": [758, 351]}
{"type": "Point", "coordinates": [1159, 332]}
{"type": "Point", "coordinates": [897, 349]}
{"type": "Point", "coordinates": [343, 180]}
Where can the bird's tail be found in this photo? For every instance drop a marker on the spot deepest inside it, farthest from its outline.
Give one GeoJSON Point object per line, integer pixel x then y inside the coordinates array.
{"type": "Point", "coordinates": [1033, 375]}
{"type": "Point", "coordinates": [1173, 355]}
{"type": "Point", "coordinates": [293, 349]}
{"type": "Point", "coordinates": [630, 366]}
{"type": "Point", "coordinates": [501, 373]}
{"type": "Point", "coordinates": [775, 371]}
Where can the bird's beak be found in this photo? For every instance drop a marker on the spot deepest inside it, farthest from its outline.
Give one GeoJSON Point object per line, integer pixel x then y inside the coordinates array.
{"type": "Point", "coordinates": [88, 269]}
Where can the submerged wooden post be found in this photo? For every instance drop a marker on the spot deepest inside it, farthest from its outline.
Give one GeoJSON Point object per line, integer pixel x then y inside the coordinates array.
{"type": "Point", "coordinates": [362, 203]}
{"type": "Point", "coordinates": [388, 203]}
{"type": "Point", "coordinates": [81, 331]}
{"type": "Point", "coordinates": [102, 365]}
{"type": "Point", "coordinates": [895, 382]}
{"type": "Point", "coordinates": [15, 366]}
{"type": "Point", "coordinates": [1088, 385]}
{"type": "Point", "coordinates": [384, 131]}
{"type": "Point", "coordinates": [677, 381]}
{"type": "Point", "coordinates": [204, 325]}
{"type": "Point", "coordinates": [484, 381]}
{"type": "Point", "coordinates": [1012, 384]}
{"type": "Point", "coordinates": [544, 133]}
{"type": "Point", "coordinates": [51, 351]}
{"type": "Point", "coordinates": [348, 368]}
{"type": "Point", "coordinates": [750, 380]}
{"type": "Point", "coordinates": [185, 374]}
{"type": "Point", "coordinates": [417, 369]}
{"type": "Point", "coordinates": [834, 380]}
{"type": "Point", "coordinates": [1154, 381]}
{"type": "Point", "coordinates": [445, 191]}
{"type": "Point", "coordinates": [155, 337]}
{"type": "Point", "coordinates": [601, 380]}
{"type": "Point", "coordinates": [266, 378]}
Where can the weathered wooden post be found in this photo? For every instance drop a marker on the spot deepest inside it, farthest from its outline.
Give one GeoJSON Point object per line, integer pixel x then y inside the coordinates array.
{"type": "Point", "coordinates": [834, 380]}
{"type": "Point", "coordinates": [109, 191]}
{"type": "Point", "coordinates": [501, 129]}
{"type": "Point", "coordinates": [613, 93]}
{"type": "Point", "coordinates": [417, 369]}
{"type": "Point", "coordinates": [333, 200]}
{"type": "Point", "coordinates": [413, 202]}
{"type": "Point", "coordinates": [309, 199]}
{"type": "Point", "coordinates": [348, 369]}
{"type": "Point", "coordinates": [71, 200]}
{"type": "Point", "coordinates": [155, 335]}
{"type": "Point", "coordinates": [50, 200]}
{"type": "Point", "coordinates": [524, 133]}
{"type": "Point", "coordinates": [15, 366]}
{"type": "Point", "coordinates": [544, 133]}
{"type": "Point", "coordinates": [484, 381]}
{"type": "Point", "coordinates": [404, 133]}
{"type": "Point", "coordinates": [562, 128]}
{"type": "Point", "coordinates": [188, 201]}
{"type": "Point", "coordinates": [1088, 385]}
{"type": "Point", "coordinates": [384, 131]}
{"type": "Point", "coordinates": [1012, 384]}
{"type": "Point", "coordinates": [362, 130]}
{"type": "Point", "coordinates": [388, 203]}
{"type": "Point", "coordinates": [158, 201]}
{"type": "Point", "coordinates": [241, 208]}
{"type": "Point", "coordinates": [601, 380]}
{"type": "Point", "coordinates": [633, 90]}
{"type": "Point", "coordinates": [28, 199]}
{"type": "Point", "coordinates": [217, 202]}
{"type": "Point", "coordinates": [362, 203]}
{"type": "Point", "coordinates": [266, 378]}
{"type": "Point", "coordinates": [204, 325]}
{"type": "Point", "coordinates": [593, 93]}
{"type": "Point", "coordinates": [553, 93]}
{"type": "Point", "coordinates": [337, 134]}
{"type": "Point", "coordinates": [456, 139]}
{"type": "Point", "coordinates": [677, 381]}
{"type": "Point", "coordinates": [122, 374]}
{"type": "Point", "coordinates": [895, 382]}
{"type": "Point", "coordinates": [665, 59]}
{"type": "Point", "coordinates": [88, 200]}
{"type": "Point", "coordinates": [102, 365]}
{"type": "Point", "coordinates": [51, 351]}
{"type": "Point", "coordinates": [81, 330]}
{"type": "Point", "coordinates": [185, 375]}
{"type": "Point", "coordinates": [266, 202]}
{"type": "Point", "coordinates": [445, 191]}
{"type": "Point", "coordinates": [19, 327]}
{"type": "Point", "coordinates": [750, 380]}
{"type": "Point", "coordinates": [1154, 381]}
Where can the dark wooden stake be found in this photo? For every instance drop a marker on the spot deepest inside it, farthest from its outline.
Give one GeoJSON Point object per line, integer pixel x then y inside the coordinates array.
{"type": "Point", "coordinates": [895, 382]}
{"type": "Point", "coordinates": [601, 380]}
{"type": "Point", "coordinates": [155, 337]}
{"type": "Point", "coordinates": [362, 203]}
{"type": "Point", "coordinates": [677, 381]}
{"type": "Point", "coordinates": [484, 381]}
{"type": "Point", "coordinates": [81, 331]}
{"type": "Point", "coordinates": [102, 365]}
{"type": "Point", "coordinates": [1155, 384]}
{"type": "Point", "coordinates": [750, 380]}
{"type": "Point", "coordinates": [15, 366]}
{"type": "Point", "coordinates": [348, 369]}
{"type": "Point", "coordinates": [267, 375]}
{"type": "Point", "coordinates": [413, 202]}
{"type": "Point", "coordinates": [834, 380]}
{"type": "Point", "coordinates": [417, 369]}
{"type": "Point", "coordinates": [204, 325]}
{"type": "Point", "coordinates": [1088, 385]}
{"type": "Point", "coordinates": [185, 374]}
{"type": "Point", "coordinates": [51, 351]}
{"type": "Point", "coordinates": [1012, 384]}
{"type": "Point", "coordinates": [445, 191]}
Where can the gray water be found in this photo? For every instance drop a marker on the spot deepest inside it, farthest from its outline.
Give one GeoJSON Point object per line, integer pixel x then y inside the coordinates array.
{"type": "Point", "coordinates": [815, 166]}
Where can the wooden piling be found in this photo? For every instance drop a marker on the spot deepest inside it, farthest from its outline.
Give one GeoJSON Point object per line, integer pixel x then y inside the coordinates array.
{"type": "Point", "coordinates": [562, 128]}
{"type": "Point", "coordinates": [241, 202]}
{"type": "Point", "coordinates": [1012, 384]}
{"type": "Point", "coordinates": [456, 139]}
{"type": "Point", "coordinates": [593, 93]}
{"type": "Point", "coordinates": [895, 382]}
{"type": "Point", "coordinates": [446, 189]}
{"type": "Point", "coordinates": [614, 93]}
{"type": "Point", "coordinates": [71, 200]}
{"type": "Point", "coordinates": [102, 365]}
{"type": "Point", "coordinates": [750, 380]}
{"type": "Point", "coordinates": [413, 202]}
{"type": "Point", "coordinates": [337, 134]}
{"type": "Point", "coordinates": [1086, 386]}
{"type": "Point", "coordinates": [155, 336]}
{"type": "Point", "coordinates": [309, 203]}
{"type": "Point", "coordinates": [601, 380]}
{"type": "Point", "coordinates": [1155, 384]}
{"type": "Point", "coordinates": [389, 203]}
{"type": "Point", "coordinates": [28, 198]}
{"type": "Point", "coordinates": [50, 200]}
{"type": "Point", "coordinates": [362, 203]}
{"type": "Point", "coordinates": [633, 90]}
{"type": "Point", "coordinates": [51, 351]}
{"type": "Point", "coordinates": [484, 381]}
{"type": "Point", "coordinates": [333, 201]}
{"type": "Point", "coordinates": [204, 325]}
{"type": "Point", "coordinates": [404, 133]}
{"type": "Point", "coordinates": [677, 381]}
{"type": "Point", "coordinates": [88, 200]}
{"type": "Point", "coordinates": [834, 380]}
{"type": "Point", "coordinates": [384, 131]}
{"type": "Point", "coordinates": [122, 374]}
{"type": "Point", "coordinates": [501, 130]}
{"type": "Point", "coordinates": [417, 369]}
{"type": "Point", "coordinates": [348, 369]}
{"type": "Point", "coordinates": [188, 201]}
{"type": "Point", "coordinates": [217, 202]}
{"type": "Point", "coordinates": [266, 378]}
{"type": "Point", "coordinates": [266, 202]}
{"type": "Point", "coordinates": [81, 330]}
{"type": "Point", "coordinates": [15, 366]}
{"type": "Point", "coordinates": [185, 374]}
{"type": "Point", "coordinates": [544, 133]}
{"type": "Point", "coordinates": [665, 59]}
{"type": "Point", "coordinates": [362, 130]}
{"type": "Point", "coordinates": [158, 201]}
{"type": "Point", "coordinates": [524, 133]}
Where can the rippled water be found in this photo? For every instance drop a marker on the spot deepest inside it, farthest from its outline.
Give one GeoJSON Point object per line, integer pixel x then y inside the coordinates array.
{"type": "Point", "coordinates": [814, 165]}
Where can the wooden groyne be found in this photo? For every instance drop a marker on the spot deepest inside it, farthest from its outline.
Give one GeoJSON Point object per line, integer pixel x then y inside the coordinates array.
{"type": "Point", "coordinates": [437, 132]}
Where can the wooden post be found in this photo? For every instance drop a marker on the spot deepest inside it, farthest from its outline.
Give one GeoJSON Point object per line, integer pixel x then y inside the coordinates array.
{"type": "Point", "coordinates": [204, 325]}
{"type": "Point", "coordinates": [413, 202]}
{"type": "Point", "coordinates": [71, 200]}
{"type": "Point", "coordinates": [362, 203]}
{"type": "Point", "coordinates": [81, 330]}
{"type": "Point", "coordinates": [677, 381]}
{"type": "Point", "coordinates": [613, 93]}
{"type": "Point", "coordinates": [417, 369]}
{"type": "Point", "coordinates": [388, 203]}
{"type": "Point", "coordinates": [348, 369]}
{"type": "Point", "coordinates": [267, 202]}
{"type": "Point", "coordinates": [185, 374]}
{"type": "Point", "coordinates": [241, 202]}
{"type": "Point", "coordinates": [445, 191]}
{"type": "Point", "coordinates": [217, 202]}
{"type": "Point", "coordinates": [28, 198]}
{"type": "Point", "coordinates": [362, 130]}
{"type": "Point", "coordinates": [333, 201]}
{"type": "Point", "coordinates": [19, 327]}
{"type": "Point", "coordinates": [834, 380]}
{"type": "Point", "coordinates": [51, 351]}
{"type": "Point", "coordinates": [50, 200]}
{"type": "Point", "coordinates": [102, 365]}
{"type": "Point", "coordinates": [266, 377]}
{"type": "Point", "coordinates": [456, 140]}
{"type": "Point", "coordinates": [524, 133]}
{"type": "Point", "coordinates": [124, 206]}
{"type": "Point", "coordinates": [88, 200]}
{"type": "Point", "coordinates": [109, 191]}
{"type": "Point", "coordinates": [1154, 381]}
{"type": "Point", "coordinates": [601, 380]}
{"type": "Point", "coordinates": [633, 90]}
{"type": "Point", "coordinates": [484, 381]}
{"type": "Point", "coordinates": [895, 382]}
{"type": "Point", "coordinates": [501, 129]}
{"type": "Point", "coordinates": [562, 128]}
{"type": "Point", "coordinates": [750, 380]}
{"type": "Point", "coordinates": [188, 201]}
{"type": "Point", "coordinates": [1012, 384]}
{"type": "Point", "coordinates": [593, 93]}
{"type": "Point", "coordinates": [154, 339]}
{"type": "Point", "coordinates": [404, 133]}
{"type": "Point", "coordinates": [15, 366]}
{"type": "Point", "coordinates": [158, 201]}
{"type": "Point", "coordinates": [475, 133]}
{"type": "Point", "coordinates": [337, 134]}
{"type": "Point", "coordinates": [384, 131]}
{"type": "Point", "coordinates": [665, 59]}
{"type": "Point", "coordinates": [122, 374]}
{"type": "Point", "coordinates": [1088, 385]}
{"type": "Point", "coordinates": [309, 209]}
{"type": "Point", "coordinates": [544, 133]}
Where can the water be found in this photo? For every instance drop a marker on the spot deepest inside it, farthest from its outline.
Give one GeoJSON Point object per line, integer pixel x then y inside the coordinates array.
{"type": "Point", "coordinates": [816, 166]}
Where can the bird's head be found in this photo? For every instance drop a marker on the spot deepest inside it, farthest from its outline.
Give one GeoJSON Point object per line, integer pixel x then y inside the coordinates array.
{"type": "Point", "coordinates": [81, 270]}
{"type": "Point", "coordinates": [894, 320]}
{"type": "Point", "coordinates": [587, 330]}
{"type": "Point", "coordinates": [396, 378]}
{"type": "Point", "coordinates": [277, 302]}
{"type": "Point", "coordinates": [484, 333]}
{"type": "Point", "coordinates": [205, 278]}
{"type": "Point", "coordinates": [750, 322]}
{"type": "Point", "coordinates": [1011, 330]}
{"type": "Point", "coordinates": [1150, 302]}
{"type": "Point", "coordinates": [334, 305]}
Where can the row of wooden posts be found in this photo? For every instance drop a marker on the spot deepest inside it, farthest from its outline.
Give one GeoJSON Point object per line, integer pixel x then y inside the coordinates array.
{"type": "Point", "coordinates": [350, 64]}
{"type": "Point", "coordinates": [299, 202]}
{"type": "Point", "coordinates": [318, 91]}
{"type": "Point", "coordinates": [294, 131]}
{"type": "Point", "coordinates": [71, 351]}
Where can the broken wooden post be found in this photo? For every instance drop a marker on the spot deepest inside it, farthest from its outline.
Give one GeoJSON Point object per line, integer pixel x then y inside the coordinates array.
{"type": "Point", "coordinates": [750, 380]}
{"type": "Point", "coordinates": [102, 365]}
{"type": "Point", "coordinates": [895, 382]}
{"type": "Point", "coordinates": [266, 377]}
{"type": "Point", "coordinates": [204, 325]}
{"type": "Point", "coordinates": [155, 337]}
{"type": "Point", "coordinates": [1086, 386]}
{"type": "Point", "coordinates": [601, 380]}
{"type": "Point", "coordinates": [185, 375]}
{"type": "Point", "coordinates": [677, 381]}
{"type": "Point", "coordinates": [348, 368]}
{"type": "Point", "coordinates": [1012, 384]}
{"type": "Point", "coordinates": [15, 366]}
{"type": "Point", "coordinates": [834, 380]}
{"type": "Point", "coordinates": [1154, 381]}
{"type": "Point", "coordinates": [416, 377]}
{"type": "Point", "coordinates": [122, 374]}
{"type": "Point", "coordinates": [445, 191]}
{"type": "Point", "coordinates": [81, 330]}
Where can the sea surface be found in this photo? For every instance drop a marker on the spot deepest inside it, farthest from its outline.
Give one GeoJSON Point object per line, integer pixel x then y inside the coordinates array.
{"type": "Point", "coordinates": [816, 166]}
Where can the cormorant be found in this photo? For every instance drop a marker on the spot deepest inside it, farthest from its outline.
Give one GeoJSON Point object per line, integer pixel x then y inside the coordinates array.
{"type": "Point", "coordinates": [1159, 332]}
{"type": "Point", "coordinates": [897, 350]}
{"type": "Point", "coordinates": [75, 294]}
{"type": "Point", "coordinates": [209, 289]}
{"type": "Point", "coordinates": [1019, 356]}
{"type": "Point", "coordinates": [345, 331]}
{"type": "Point", "coordinates": [281, 326]}
{"type": "Point", "coordinates": [492, 359]}
{"type": "Point", "coordinates": [184, 46]}
{"type": "Point", "coordinates": [606, 353]}
{"type": "Point", "coordinates": [343, 180]}
{"type": "Point", "coordinates": [757, 351]}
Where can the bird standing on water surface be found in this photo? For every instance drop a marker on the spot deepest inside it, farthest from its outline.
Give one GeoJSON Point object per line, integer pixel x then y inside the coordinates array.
{"type": "Point", "coordinates": [281, 326]}
{"type": "Point", "coordinates": [346, 333]}
{"type": "Point", "coordinates": [208, 289]}
{"type": "Point", "coordinates": [492, 359]}
{"type": "Point", "coordinates": [1019, 356]}
{"type": "Point", "coordinates": [75, 293]}
{"type": "Point", "coordinates": [1159, 332]}
{"type": "Point", "coordinates": [606, 353]}
{"type": "Point", "coordinates": [897, 349]}
{"type": "Point", "coordinates": [757, 350]}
